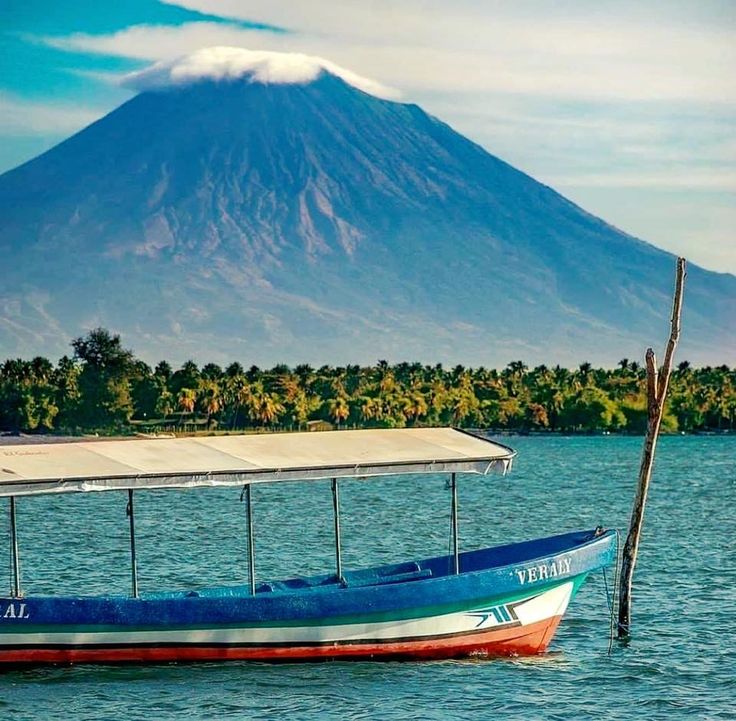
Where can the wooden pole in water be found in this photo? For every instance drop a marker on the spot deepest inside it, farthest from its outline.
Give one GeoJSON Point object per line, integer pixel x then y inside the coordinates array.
{"type": "Point", "coordinates": [657, 386]}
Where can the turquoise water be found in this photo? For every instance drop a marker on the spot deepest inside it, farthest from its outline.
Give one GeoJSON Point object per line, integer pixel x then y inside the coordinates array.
{"type": "Point", "coordinates": [680, 664]}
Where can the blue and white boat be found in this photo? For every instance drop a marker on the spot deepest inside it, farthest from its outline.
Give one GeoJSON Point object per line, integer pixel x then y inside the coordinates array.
{"type": "Point", "coordinates": [505, 600]}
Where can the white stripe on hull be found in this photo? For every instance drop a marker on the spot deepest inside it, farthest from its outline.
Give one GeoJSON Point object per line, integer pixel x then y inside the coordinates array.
{"type": "Point", "coordinates": [538, 608]}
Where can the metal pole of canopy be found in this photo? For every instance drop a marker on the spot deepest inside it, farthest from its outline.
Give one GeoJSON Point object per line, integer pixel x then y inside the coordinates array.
{"type": "Point", "coordinates": [336, 508]}
{"type": "Point", "coordinates": [251, 544]}
{"type": "Point", "coordinates": [16, 590]}
{"type": "Point", "coordinates": [130, 511]}
{"type": "Point", "coordinates": [455, 547]}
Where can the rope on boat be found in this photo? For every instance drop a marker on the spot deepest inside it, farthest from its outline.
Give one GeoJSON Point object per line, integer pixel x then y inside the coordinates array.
{"type": "Point", "coordinates": [611, 596]}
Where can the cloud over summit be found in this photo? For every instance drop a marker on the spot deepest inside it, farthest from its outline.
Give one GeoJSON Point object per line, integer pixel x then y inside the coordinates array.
{"type": "Point", "coordinates": [260, 66]}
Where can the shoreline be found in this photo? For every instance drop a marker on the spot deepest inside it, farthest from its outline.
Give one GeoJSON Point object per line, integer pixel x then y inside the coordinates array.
{"type": "Point", "coordinates": [7, 439]}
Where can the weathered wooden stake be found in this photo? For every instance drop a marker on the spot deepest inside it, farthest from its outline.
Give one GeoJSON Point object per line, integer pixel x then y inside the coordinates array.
{"type": "Point", "coordinates": [657, 385]}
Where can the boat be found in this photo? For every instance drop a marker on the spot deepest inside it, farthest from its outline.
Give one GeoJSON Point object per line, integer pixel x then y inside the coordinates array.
{"type": "Point", "coordinates": [497, 601]}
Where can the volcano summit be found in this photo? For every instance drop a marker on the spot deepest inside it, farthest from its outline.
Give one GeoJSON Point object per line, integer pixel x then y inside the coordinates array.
{"type": "Point", "coordinates": [269, 207]}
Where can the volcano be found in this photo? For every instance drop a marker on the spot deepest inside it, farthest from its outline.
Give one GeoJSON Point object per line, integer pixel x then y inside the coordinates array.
{"type": "Point", "coordinates": [275, 210]}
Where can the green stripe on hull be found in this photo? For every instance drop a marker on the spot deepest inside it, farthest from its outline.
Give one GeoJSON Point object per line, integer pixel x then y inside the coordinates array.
{"type": "Point", "coordinates": [366, 618]}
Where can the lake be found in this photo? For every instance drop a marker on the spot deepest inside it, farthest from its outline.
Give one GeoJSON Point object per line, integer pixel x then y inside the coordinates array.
{"type": "Point", "coordinates": [681, 662]}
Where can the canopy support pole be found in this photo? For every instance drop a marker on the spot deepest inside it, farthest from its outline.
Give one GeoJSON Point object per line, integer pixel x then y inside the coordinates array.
{"type": "Point", "coordinates": [16, 590]}
{"type": "Point", "coordinates": [455, 545]}
{"type": "Point", "coordinates": [251, 542]}
{"type": "Point", "coordinates": [133, 559]}
{"type": "Point", "coordinates": [338, 549]}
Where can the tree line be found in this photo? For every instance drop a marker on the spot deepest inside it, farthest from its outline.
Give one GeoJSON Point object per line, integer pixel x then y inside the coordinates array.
{"type": "Point", "coordinates": [102, 387]}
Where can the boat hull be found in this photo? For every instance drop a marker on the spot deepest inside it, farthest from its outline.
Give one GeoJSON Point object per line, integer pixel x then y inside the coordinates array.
{"type": "Point", "coordinates": [487, 644]}
{"type": "Point", "coordinates": [496, 611]}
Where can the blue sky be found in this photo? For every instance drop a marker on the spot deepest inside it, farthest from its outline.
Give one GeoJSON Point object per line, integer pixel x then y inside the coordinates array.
{"type": "Point", "coordinates": [627, 108]}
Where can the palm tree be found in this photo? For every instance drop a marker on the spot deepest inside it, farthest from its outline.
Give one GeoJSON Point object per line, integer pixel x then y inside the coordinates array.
{"type": "Point", "coordinates": [163, 370]}
{"type": "Point", "coordinates": [210, 398]}
{"type": "Point", "coordinates": [339, 409]}
{"type": "Point", "coordinates": [464, 404]}
{"type": "Point", "coordinates": [289, 386]}
{"type": "Point", "coordinates": [305, 373]}
{"type": "Point", "coordinates": [370, 409]}
{"type": "Point", "coordinates": [300, 406]}
{"type": "Point", "coordinates": [337, 383]}
{"type": "Point", "coordinates": [186, 400]}
{"type": "Point", "coordinates": [584, 370]}
{"type": "Point", "coordinates": [212, 372]}
{"type": "Point", "coordinates": [264, 407]}
{"type": "Point", "coordinates": [517, 368]}
{"type": "Point", "coordinates": [164, 404]}
{"type": "Point", "coordinates": [416, 407]}
{"type": "Point", "coordinates": [234, 393]}
{"type": "Point", "coordinates": [515, 373]}
{"type": "Point", "coordinates": [41, 369]}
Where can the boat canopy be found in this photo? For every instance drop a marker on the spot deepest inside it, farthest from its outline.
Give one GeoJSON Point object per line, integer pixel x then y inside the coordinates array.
{"type": "Point", "coordinates": [233, 460]}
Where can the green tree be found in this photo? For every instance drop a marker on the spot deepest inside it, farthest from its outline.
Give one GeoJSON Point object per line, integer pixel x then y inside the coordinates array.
{"type": "Point", "coordinates": [104, 381]}
{"type": "Point", "coordinates": [264, 407]}
{"type": "Point", "coordinates": [187, 400]}
{"type": "Point", "coordinates": [592, 409]}
{"type": "Point", "coordinates": [210, 398]}
{"type": "Point", "coordinates": [339, 409]}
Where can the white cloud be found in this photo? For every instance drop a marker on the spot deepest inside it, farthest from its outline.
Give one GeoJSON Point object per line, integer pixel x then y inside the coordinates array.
{"type": "Point", "coordinates": [442, 48]}
{"type": "Point", "coordinates": [228, 63]}
{"type": "Point", "coordinates": [710, 179]}
{"type": "Point", "coordinates": [160, 42]}
{"type": "Point", "coordinates": [22, 117]}
{"type": "Point", "coordinates": [522, 47]}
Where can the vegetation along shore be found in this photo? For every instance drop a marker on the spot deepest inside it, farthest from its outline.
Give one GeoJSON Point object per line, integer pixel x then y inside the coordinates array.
{"type": "Point", "coordinates": [103, 388]}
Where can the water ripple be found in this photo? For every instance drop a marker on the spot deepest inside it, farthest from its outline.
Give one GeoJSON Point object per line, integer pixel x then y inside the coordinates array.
{"type": "Point", "coordinates": [681, 663]}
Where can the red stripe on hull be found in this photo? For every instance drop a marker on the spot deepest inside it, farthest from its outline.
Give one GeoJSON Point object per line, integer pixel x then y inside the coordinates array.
{"type": "Point", "coordinates": [517, 641]}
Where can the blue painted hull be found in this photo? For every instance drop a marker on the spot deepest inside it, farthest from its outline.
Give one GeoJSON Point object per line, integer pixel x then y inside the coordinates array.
{"type": "Point", "coordinates": [506, 599]}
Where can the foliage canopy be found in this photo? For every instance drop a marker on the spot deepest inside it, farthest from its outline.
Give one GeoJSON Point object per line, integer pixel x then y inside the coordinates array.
{"type": "Point", "coordinates": [104, 388]}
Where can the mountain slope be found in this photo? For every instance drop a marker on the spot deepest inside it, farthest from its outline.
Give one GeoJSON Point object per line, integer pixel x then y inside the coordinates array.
{"type": "Point", "coordinates": [312, 221]}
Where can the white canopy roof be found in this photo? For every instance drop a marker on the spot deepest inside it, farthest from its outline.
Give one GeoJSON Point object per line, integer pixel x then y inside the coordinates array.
{"type": "Point", "coordinates": [241, 459]}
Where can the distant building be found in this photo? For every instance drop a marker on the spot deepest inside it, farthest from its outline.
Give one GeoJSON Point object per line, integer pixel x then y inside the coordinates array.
{"type": "Point", "coordinates": [319, 426]}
